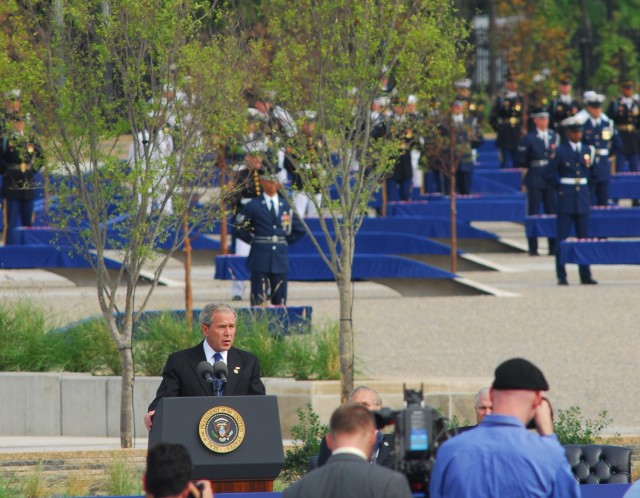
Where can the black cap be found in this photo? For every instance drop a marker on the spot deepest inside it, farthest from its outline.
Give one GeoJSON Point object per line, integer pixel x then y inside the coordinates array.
{"type": "Point", "coordinates": [519, 373]}
{"type": "Point", "coordinates": [627, 83]}
{"type": "Point", "coordinates": [564, 80]}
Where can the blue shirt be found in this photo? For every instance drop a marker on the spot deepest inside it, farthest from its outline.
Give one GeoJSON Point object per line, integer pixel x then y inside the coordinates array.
{"type": "Point", "coordinates": [502, 459]}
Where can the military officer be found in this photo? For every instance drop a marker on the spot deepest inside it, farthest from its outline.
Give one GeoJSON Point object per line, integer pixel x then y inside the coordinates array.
{"type": "Point", "coordinates": [506, 120]}
{"type": "Point", "coordinates": [535, 152]}
{"type": "Point", "coordinates": [466, 136]}
{"type": "Point", "coordinates": [572, 165]}
{"type": "Point", "coordinates": [20, 158]}
{"type": "Point", "coordinates": [562, 106]}
{"type": "Point", "coordinates": [625, 113]}
{"type": "Point", "coordinates": [599, 132]}
{"type": "Point", "coordinates": [268, 224]}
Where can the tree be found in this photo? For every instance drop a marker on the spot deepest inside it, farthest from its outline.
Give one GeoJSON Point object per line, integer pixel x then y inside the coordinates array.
{"type": "Point", "coordinates": [335, 57]}
{"type": "Point", "coordinates": [168, 71]}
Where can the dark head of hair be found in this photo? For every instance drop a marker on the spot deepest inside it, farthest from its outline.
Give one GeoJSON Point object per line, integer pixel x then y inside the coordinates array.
{"type": "Point", "coordinates": [351, 418]}
{"type": "Point", "coordinates": [168, 469]}
{"type": "Point", "coordinates": [206, 315]}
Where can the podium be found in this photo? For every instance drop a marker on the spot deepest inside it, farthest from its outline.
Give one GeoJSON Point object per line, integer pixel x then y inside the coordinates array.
{"type": "Point", "coordinates": [234, 441]}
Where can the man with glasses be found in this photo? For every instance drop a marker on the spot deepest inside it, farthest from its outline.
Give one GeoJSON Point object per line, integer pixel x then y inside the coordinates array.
{"type": "Point", "coordinates": [383, 446]}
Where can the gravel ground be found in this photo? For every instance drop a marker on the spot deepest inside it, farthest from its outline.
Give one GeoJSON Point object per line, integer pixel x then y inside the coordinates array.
{"type": "Point", "coordinates": [584, 338]}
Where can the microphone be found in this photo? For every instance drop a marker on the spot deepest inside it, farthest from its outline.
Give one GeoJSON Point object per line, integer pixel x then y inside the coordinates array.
{"type": "Point", "coordinates": [205, 370]}
{"type": "Point", "coordinates": [220, 371]}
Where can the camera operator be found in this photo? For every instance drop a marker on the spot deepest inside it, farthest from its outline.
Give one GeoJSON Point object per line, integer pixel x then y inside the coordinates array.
{"type": "Point", "coordinates": [501, 458]}
{"type": "Point", "coordinates": [168, 472]}
{"type": "Point", "coordinates": [352, 433]}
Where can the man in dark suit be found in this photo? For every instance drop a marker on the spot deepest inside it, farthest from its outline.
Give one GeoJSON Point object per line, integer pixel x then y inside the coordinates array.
{"type": "Point", "coordinates": [506, 120]}
{"type": "Point", "coordinates": [269, 225]}
{"type": "Point", "coordinates": [383, 446]}
{"type": "Point", "coordinates": [180, 375]}
{"type": "Point", "coordinates": [352, 433]}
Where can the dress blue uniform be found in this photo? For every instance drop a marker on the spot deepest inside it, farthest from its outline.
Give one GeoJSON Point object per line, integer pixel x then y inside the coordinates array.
{"type": "Point", "coordinates": [573, 173]}
{"type": "Point", "coordinates": [506, 120]}
{"type": "Point", "coordinates": [269, 231]}
{"type": "Point", "coordinates": [535, 152]}
{"type": "Point", "coordinates": [625, 113]}
{"type": "Point", "coordinates": [600, 134]}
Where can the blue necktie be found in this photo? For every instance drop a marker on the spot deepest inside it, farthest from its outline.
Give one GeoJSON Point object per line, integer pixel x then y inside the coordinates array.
{"type": "Point", "coordinates": [272, 208]}
{"type": "Point", "coordinates": [218, 386]}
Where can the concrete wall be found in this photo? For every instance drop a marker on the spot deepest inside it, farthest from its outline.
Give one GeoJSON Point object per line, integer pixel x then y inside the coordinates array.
{"type": "Point", "coordinates": [63, 404]}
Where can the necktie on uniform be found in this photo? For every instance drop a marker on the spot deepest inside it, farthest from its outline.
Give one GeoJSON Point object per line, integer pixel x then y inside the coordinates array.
{"type": "Point", "coordinates": [272, 208]}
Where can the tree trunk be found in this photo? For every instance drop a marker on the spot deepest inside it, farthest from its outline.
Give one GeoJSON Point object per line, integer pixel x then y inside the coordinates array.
{"type": "Point", "coordinates": [188, 290]}
{"type": "Point", "coordinates": [346, 320]}
{"type": "Point", "coordinates": [586, 43]}
{"type": "Point", "coordinates": [126, 398]}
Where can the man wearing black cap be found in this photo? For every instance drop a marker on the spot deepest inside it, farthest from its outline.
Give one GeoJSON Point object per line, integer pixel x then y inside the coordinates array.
{"type": "Point", "coordinates": [269, 225]}
{"type": "Point", "coordinates": [625, 113]}
{"type": "Point", "coordinates": [572, 167]}
{"type": "Point", "coordinates": [506, 120]}
{"type": "Point", "coordinates": [535, 152]}
{"type": "Point", "coordinates": [501, 458]}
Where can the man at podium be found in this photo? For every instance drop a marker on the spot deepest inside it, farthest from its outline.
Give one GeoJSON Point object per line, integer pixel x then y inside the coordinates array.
{"type": "Point", "coordinates": [180, 375]}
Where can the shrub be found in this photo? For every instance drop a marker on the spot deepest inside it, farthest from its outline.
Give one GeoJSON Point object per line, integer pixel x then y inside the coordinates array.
{"type": "Point", "coordinates": [572, 428]}
{"type": "Point", "coordinates": [22, 335]}
{"type": "Point", "coordinates": [307, 434]}
{"type": "Point", "coordinates": [159, 336]}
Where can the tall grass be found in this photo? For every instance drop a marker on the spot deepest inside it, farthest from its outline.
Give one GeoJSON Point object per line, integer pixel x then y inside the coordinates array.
{"type": "Point", "coordinates": [122, 479]}
{"type": "Point", "coordinates": [30, 343]}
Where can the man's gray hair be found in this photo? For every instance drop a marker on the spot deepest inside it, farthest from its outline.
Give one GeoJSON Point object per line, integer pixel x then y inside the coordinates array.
{"type": "Point", "coordinates": [484, 390]}
{"type": "Point", "coordinates": [378, 399]}
{"type": "Point", "coordinates": [206, 315]}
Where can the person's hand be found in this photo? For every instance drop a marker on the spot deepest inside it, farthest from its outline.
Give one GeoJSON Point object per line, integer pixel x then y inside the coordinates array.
{"type": "Point", "coordinates": [148, 419]}
{"type": "Point", "coordinates": [205, 486]}
{"type": "Point", "coordinates": [544, 418]}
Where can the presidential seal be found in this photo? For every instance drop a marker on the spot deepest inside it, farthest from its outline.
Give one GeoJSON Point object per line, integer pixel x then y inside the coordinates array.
{"type": "Point", "coordinates": [222, 429]}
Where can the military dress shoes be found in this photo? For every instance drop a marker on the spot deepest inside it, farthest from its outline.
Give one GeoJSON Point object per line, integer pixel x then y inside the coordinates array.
{"type": "Point", "coordinates": [589, 281]}
{"type": "Point", "coordinates": [563, 281]}
{"type": "Point", "coordinates": [236, 298]}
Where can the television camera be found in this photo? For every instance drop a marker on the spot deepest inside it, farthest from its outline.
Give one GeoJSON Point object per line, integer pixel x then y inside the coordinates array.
{"type": "Point", "coordinates": [419, 430]}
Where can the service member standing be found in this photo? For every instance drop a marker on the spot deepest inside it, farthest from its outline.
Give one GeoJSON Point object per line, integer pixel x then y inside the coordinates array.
{"type": "Point", "coordinates": [572, 165]}
{"type": "Point", "coordinates": [562, 106]}
{"type": "Point", "coordinates": [625, 113]}
{"type": "Point", "coordinates": [269, 225]}
{"type": "Point", "coordinates": [506, 120]}
{"type": "Point", "coordinates": [20, 158]}
{"type": "Point", "coordinates": [535, 152]}
{"type": "Point", "coordinates": [598, 131]}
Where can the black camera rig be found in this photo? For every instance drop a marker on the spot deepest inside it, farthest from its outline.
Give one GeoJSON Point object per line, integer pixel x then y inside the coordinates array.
{"type": "Point", "coordinates": [419, 432]}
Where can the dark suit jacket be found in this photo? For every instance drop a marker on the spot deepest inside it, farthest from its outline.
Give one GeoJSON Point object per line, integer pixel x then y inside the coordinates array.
{"type": "Point", "coordinates": [384, 458]}
{"type": "Point", "coordinates": [349, 476]}
{"type": "Point", "coordinates": [180, 375]}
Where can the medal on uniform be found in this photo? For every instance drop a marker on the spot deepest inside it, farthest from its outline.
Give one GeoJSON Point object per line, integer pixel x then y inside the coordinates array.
{"type": "Point", "coordinates": [606, 134]}
{"type": "Point", "coordinates": [517, 107]}
{"type": "Point", "coordinates": [23, 167]}
{"type": "Point", "coordinates": [587, 159]}
{"type": "Point", "coordinates": [286, 222]}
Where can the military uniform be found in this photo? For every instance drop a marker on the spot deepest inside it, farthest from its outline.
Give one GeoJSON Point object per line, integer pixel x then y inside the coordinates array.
{"type": "Point", "coordinates": [601, 135]}
{"type": "Point", "coordinates": [467, 137]}
{"type": "Point", "coordinates": [625, 114]}
{"type": "Point", "coordinates": [535, 152]}
{"type": "Point", "coordinates": [560, 108]}
{"type": "Point", "coordinates": [573, 173]}
{"type": "Point", "coordinates": [269, 232]}
{"type": "Point", "coordinates": [506, 120]}
{"type": "Point", "coordinates": [20, 158]}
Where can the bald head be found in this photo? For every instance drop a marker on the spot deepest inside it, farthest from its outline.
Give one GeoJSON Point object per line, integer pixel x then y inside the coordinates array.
{"type": "Point", "coordinates": [519, 403]}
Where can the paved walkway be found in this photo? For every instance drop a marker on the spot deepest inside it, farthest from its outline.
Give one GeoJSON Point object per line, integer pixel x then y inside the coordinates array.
{"type": "Point", "coordinates": [584, 338]}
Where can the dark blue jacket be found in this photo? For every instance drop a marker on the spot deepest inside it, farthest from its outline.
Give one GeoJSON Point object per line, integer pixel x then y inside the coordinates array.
{"type": "Point", "coordinates": [567, 164]}
{"type": "Point", "coordinates": [533, 156]}
{"type": "Point", "coordinates": [606, 142]}
{"type": "Point", "coordinates": [627, 121]}
{"type": "Point", "coordinates": [269, 237]}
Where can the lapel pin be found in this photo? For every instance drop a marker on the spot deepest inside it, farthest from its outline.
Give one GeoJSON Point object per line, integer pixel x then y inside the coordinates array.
{"type": "Point", "coordinates": [236, 370]}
